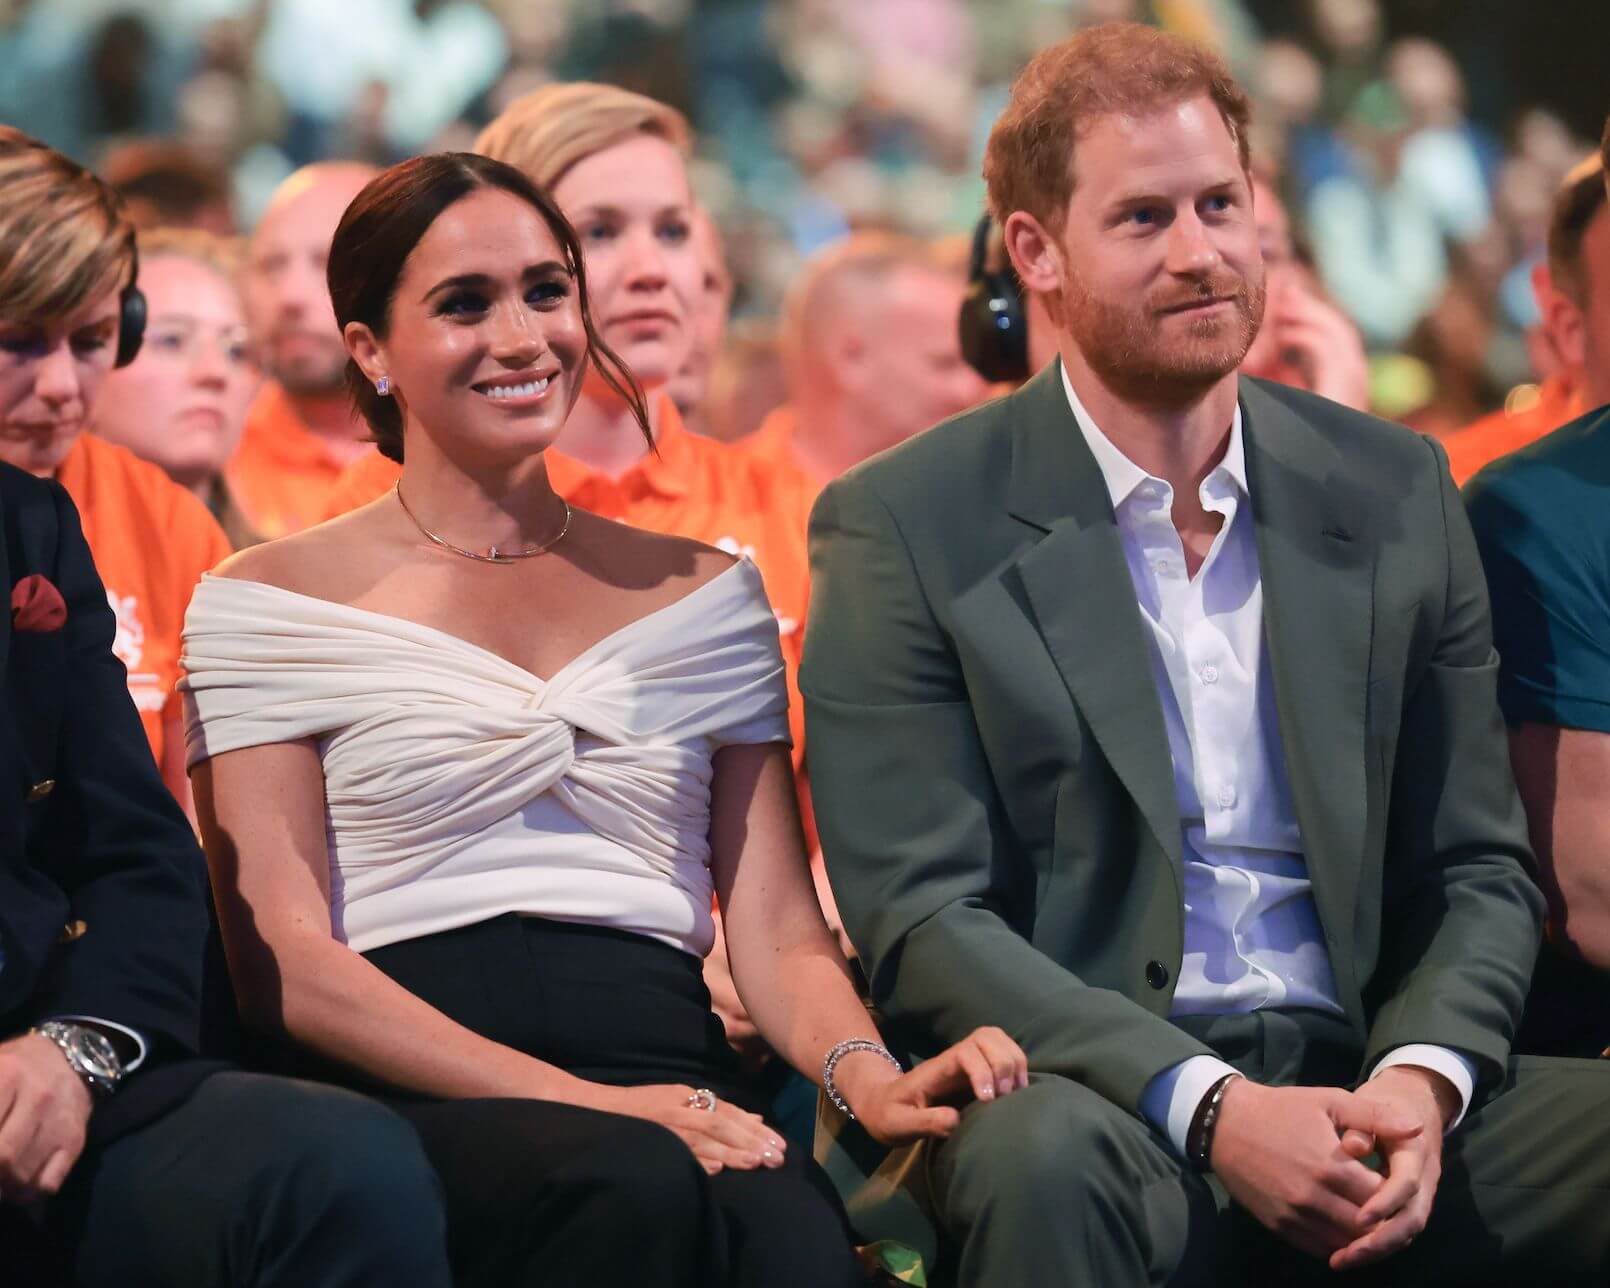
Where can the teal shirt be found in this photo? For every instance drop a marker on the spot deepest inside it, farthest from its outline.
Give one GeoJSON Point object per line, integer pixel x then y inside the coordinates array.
{"type": "Point", "coordinates": [1542, 522]}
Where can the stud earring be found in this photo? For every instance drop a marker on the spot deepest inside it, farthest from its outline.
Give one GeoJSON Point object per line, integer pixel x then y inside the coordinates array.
{"type": "Point", "coordinates": [383, 386]}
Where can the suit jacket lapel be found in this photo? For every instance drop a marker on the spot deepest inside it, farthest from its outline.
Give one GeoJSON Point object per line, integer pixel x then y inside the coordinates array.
{"type": "Point", "coordinates": [1077, 583]}
{"type": "Point", "coordinates": [1316, 557]}
{"type": "Point", "coordinates": [5, 585]}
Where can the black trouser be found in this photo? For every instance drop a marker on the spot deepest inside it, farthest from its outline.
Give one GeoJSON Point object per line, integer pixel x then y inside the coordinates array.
{"type": "Point", "coordinates": [620, 1201]}
{"type": "Point", "coordinates": [255, 1182]}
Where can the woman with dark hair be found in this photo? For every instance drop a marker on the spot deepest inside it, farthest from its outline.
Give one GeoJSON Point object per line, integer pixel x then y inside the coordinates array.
{"type": "Point", "coordinates": [470, 763]}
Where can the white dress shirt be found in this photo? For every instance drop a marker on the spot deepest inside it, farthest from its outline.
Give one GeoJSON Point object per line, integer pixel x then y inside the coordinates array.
{"type": "Point", "coordinates": [1252, 932]}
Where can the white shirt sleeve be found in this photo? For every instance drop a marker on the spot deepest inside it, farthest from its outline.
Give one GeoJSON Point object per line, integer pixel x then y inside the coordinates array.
{"type": "Point", "coordinates": [1450, 1064]}
{"type": "Point", "coordinates": [1171, 1098]}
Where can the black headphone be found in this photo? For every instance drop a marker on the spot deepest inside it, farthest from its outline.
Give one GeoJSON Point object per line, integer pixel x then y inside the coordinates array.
{"type": "Point", "coordinates": [131, 315]}
{"type": "Point", "coordinates": [993, 324]}
{"type": "Point", "coordinates": [131, 302]}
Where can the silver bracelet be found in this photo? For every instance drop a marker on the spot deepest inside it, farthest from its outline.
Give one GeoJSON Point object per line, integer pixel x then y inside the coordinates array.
{"type": "Point", "coordinates": [838, 1053]}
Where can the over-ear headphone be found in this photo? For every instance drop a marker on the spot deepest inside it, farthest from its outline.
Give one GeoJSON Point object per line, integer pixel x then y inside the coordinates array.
{"type": "Point", "coordinates": [131, 317]}
{"type": "Point", "coordinates": [993, 324]}
{"type": "Point", "coordinates": [131, 302]}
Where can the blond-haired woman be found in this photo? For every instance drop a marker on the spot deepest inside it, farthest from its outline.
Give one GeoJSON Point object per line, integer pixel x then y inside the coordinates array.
{"type": "Point", "coordinates": [151, 538]}
{"type": "Point", "coordinates": [182, 403]}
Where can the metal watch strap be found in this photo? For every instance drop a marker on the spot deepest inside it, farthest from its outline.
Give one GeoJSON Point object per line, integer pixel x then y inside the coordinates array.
{"type": "Point", "coordinates": [62, 1033]}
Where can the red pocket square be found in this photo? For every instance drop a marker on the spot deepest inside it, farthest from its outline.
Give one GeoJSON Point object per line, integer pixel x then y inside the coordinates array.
{"type": "Point", "coordinates": [36, 605]}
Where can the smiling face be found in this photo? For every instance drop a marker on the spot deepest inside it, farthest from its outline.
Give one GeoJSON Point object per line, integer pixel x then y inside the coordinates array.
{"type": "Point", "coordinates": [632, 209]}
{"type": "Point", "coordinates": [1157, 258]}
{"type": "Point", "coordinates": [50, 376]}
{"type": "Point", "coordinates": [484, 343]}
{"type": "Point", "coordinates": [182, 402]}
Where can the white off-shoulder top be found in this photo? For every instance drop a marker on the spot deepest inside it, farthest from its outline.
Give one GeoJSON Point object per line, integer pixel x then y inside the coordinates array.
{"type": "Point", "coordinates": [460, 786]}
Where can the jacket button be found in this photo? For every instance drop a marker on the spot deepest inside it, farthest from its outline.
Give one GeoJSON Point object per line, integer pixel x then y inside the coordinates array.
{"type": "Point", "coordinates": [40, 790]}
{"type": "Point", "coordinates": [1157, 974]}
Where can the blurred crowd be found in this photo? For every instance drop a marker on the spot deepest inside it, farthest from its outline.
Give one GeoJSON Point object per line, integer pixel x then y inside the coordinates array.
{"type": "Point", "coordinates": [815, 117]}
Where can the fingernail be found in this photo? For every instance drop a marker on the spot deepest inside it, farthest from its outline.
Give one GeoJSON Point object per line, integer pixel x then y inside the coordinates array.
{"type": "Point", "coordinates": [1004, 1086]}
{"type": "Point", "coordinates": [986, 1092]}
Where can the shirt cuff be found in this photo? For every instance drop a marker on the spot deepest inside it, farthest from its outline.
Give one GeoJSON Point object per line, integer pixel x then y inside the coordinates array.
{"type": "Point", "coordinates": [112, 1030]}
{"type": "Point", "coordinates": [1439, 1059]}
{"type": "Point", "coordinates": [1172, 1097]}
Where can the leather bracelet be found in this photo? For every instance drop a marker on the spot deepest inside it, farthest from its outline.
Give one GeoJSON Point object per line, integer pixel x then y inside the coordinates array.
{"type": "Point", "coordinates": [838, 1053]}
{"type": "Point", "coordinates": [1199, 1140]}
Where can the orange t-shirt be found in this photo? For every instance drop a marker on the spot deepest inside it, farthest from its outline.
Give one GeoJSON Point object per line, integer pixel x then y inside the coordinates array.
{"type": "Point", "coordinates": [151, 540]}
{"type": "Point", "coordinates": [772, 446]}
{"type": "Point", "coordinates": [695, 487]}
{"type": "Point", "coordinates": [282, 473]}
{"type": "Point", "coordinates": [1506, 431]}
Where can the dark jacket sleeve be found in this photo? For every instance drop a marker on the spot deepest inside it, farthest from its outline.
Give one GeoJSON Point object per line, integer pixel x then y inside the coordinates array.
{"type": "Point", "coordinates": [1462, 918]}
{"type": "Point", "coordinates": [918, 853]}
{"type": "Point", "coordinates": [114, 840]}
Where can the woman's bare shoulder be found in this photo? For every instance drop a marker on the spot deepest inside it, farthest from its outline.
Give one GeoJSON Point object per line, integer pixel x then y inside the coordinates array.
{"type": "Point", "coordinates": [655, 558]}
{"type": "Point", "coordinates": [317, 561]}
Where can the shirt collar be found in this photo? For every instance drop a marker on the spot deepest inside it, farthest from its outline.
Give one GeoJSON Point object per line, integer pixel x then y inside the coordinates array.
{"type": "Point", "coordinates": [1122, 476]}
{"type": "Point", "coordinates": [665, 471]}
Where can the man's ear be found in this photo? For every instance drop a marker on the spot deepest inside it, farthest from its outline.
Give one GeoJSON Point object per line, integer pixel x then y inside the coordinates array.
{"type": "Point", "coordinates": [1562, 319]}
{"type": "Point", "coordinates": [365, 350]}
{"type": "Point", "coordinates": [1033, 251]}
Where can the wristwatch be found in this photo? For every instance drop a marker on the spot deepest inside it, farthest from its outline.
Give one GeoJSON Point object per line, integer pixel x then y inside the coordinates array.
{"type": "Point", "coordinates": [89, 1053]}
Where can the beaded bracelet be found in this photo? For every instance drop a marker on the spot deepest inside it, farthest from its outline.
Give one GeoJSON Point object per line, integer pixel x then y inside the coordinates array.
{"type": "Point", "coordinates": [838, 1053]}
{"type": "Point", "coordinates": [1199, 1143]}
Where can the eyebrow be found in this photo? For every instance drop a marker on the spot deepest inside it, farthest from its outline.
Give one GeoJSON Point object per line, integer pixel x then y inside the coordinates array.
{"type": "Point", "coordinates": [170, 317]}
{"type": "Point", "coordinates": [620, 212]}
{"type": "Point", "coordinates": [1129, 198]}
{"type": "Point", "coordinates": [547, 268]}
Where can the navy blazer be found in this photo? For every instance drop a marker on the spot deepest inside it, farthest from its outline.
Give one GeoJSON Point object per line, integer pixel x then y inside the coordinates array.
{"type": "Point", "coordinates": [102, 885]}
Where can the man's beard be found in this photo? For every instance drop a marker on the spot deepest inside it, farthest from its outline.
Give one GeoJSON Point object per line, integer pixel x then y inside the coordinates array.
{"type": "Point", "coordinates": [1126, 347]}
{"type": "Point", "coordinates": [310, 372]}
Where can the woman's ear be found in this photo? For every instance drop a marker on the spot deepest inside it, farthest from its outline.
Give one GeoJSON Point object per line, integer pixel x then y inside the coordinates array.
{"type": "Point", "coordinates": [365, 349]}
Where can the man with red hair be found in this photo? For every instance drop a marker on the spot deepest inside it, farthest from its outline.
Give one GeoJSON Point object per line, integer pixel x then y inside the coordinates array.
{"type": "Point", "coordinates": [1152, 719]}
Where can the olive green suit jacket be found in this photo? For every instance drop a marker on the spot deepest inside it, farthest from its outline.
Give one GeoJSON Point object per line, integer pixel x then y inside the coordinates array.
{"type": "Point", "coordinates": [991, 773]}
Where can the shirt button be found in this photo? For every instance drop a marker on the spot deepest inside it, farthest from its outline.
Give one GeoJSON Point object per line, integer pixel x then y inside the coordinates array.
{"type": "Point", "coordinates": [1157, 975]}
{"type": "Point", "coordinates": [1210, 674]}
{"type": "Point", "coordinates": [1226, 796]}
{"type": "Point", "coordinates": [1161, 567]}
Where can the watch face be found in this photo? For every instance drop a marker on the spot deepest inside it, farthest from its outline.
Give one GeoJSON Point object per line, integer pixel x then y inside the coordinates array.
{"type": "Point", "coordinates": [97, 1053]}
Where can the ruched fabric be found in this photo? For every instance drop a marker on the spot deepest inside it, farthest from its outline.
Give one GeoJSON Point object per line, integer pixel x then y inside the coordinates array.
{"type": "Point", "coordinates": [460, 786]}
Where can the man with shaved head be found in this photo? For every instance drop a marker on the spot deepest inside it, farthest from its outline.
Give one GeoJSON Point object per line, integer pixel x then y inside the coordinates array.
{"type": "Point", "coordinates": [871, 354]}
{"type": "Point", "coordinates": [301, 432]}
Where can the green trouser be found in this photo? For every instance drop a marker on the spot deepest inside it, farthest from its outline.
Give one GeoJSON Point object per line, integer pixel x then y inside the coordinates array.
{"type": "Point", "coordinates": [1055, 1185]}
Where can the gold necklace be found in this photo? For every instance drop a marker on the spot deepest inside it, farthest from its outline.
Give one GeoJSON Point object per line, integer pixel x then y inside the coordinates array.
{"type": "Point", "coordinates": [493, 554]}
